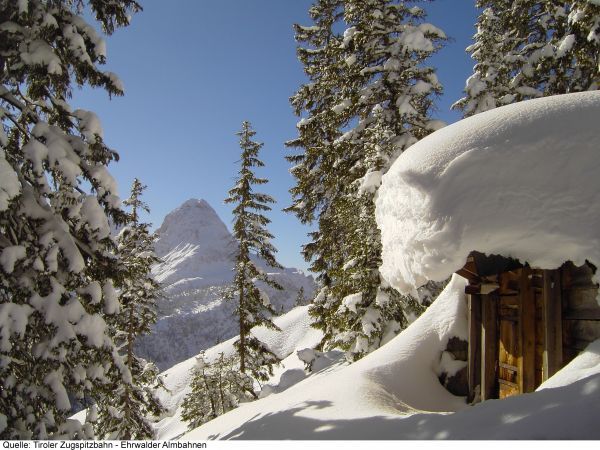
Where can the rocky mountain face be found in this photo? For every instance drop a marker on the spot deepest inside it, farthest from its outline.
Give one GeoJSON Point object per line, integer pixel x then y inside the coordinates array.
{"type": "Point", "coordinates": [198, 254]}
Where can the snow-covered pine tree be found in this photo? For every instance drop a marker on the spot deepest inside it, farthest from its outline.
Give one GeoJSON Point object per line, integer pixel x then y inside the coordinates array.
{"type": "Point", "coordinates": [300, 298]}
{"type": "Point", "coordinates": [253, 239]}
{"type": "Point", "coordinates": [379, 102]}
{"type": "Point", "coordinates": [527, 49]}
{"type": "Point", "coordinates": [320, 55]}
{"type": "Point", "coordinates": [216, 388]}
{"type": "Point", "coordinates": [57, 262]}
{"type": "Point", "coordinates": [318, 191]}
{"type": "Point", "coordinates": [316, 184]}
{"type": "Point", "coordinates": [488, 87]}
{"type": "Point", "coordinates": [124, 412]}
{"type": "Point", "coordinates": [576, 44]}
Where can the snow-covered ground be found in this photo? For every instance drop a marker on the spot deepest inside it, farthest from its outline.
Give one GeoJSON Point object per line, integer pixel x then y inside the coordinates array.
{"type": "Point", "coordinates": [198, 258]}
{"type": "Point", "coordinates": [393, 393]}
{"type": "Point", "coordinates": [296, 333]}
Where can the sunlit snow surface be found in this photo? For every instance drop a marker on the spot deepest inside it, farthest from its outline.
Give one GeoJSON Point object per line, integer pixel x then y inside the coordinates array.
{"type": "Point", "coordinates": [394, 392]}
{"type": "Point", "coordinates": [396, 380]}
{"type": "Point", "coordinates": [296, 333]}
{"type": "Point", "coordinates": [522, 181]}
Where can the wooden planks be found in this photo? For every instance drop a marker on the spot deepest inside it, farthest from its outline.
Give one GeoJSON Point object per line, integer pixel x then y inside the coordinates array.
{"type": "Point", "coordinates": [508, 347]}
{"type": "Point", "coordinates": [580, 310]}
{"type": "Point", "coordinates": [508, 334]}
{"type": "Point", "coordinates": [526, 324]}
{"type": "Point", "coordinates": [540, 335]}
{"type": "Point", "coordinates": [526, 360]}
{"type": "Point", "coordinates": [552, 323]}
{"type": "Point", "coordinates": [474, 352]}
{"type": "Point", "coordinates": [520, 337]}
{"type": "Point", "coordinates": [489, 346]}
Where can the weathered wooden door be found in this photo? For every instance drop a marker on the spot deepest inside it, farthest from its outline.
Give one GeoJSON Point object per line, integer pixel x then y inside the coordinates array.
{"type": "Point", "coordinates": [514, 329]}
{"type": "Point", "coordinates": [508, 361]}
{"type": "Point", "coordinates": [520, 332]}
{"type": "Point", "coordinates": [509, 342]}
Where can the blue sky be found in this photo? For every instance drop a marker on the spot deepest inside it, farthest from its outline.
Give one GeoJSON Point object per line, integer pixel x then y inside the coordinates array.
{"type": "Point", "coordinates": [195, 69]}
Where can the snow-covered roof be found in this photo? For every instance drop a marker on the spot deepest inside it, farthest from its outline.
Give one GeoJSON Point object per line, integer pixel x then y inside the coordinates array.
{"type": "Point", "coordinates": [522, 181]}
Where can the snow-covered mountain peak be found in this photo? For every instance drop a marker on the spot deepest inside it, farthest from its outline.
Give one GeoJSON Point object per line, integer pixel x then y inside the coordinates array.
{"type": "Point", "coordinates": [198, 256]}
{"type": "Point", "coordinates": [194, 224]}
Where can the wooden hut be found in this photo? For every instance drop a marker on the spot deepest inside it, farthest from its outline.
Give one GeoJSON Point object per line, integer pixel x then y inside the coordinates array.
{"type": "Point", "coordinates": [525, 324]}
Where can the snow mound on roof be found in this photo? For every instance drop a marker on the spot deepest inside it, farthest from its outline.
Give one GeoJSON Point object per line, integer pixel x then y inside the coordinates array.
{"type": "Point", "coordinates": [360, 400]}
{"type": "Point", "coordinates": [521, 181]}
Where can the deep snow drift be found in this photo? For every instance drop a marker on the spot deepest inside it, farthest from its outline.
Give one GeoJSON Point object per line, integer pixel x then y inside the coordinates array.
{"type": "Point", "coordinates": [394, 393]}
{"type": "Point", "coordinates": [355, 400]}
{"type": "Point", "coordinates": [198, 258]}
{"type": "Point", "coordinates": [522, 181]}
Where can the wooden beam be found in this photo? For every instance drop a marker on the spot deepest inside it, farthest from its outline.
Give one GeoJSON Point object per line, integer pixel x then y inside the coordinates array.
{"type": "Point", "coordinates": [489, 346]}
{"type": "Point", "coordinates": [508, 383]}
{"type": "Point", "coordinates": [472, 289]}
{"type": "Point", "coordinates": [474, 354]}
{"type": "Point", "coordinates": [471, 276]}
{"type": "Point", "coordinates": [469, 270]}
{"type": "Point", "coordinates": [537, 282]}
{"type": "Point", "coordinates": [509, 283]}
{"type": "Point", "coordinates": [552, 311]}
{"type": "Point", "coordinates": [527, 333]}
{"type": "Point", "coordinates": [509, 367]}
{"type": "Point", "coordinates": [582, 314]}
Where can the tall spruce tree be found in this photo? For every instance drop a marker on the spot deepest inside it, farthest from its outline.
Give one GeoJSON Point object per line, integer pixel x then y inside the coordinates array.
{"type": "Point", "coordinates": [318, 189]}
{"type": "Point", "coordinates": [527, 49]}
{"type": "Point", "coordinates": [253, 238]}
{"type": "Point", "coordinates": [57, 262]}
{"type": "Point", "coordinates": [124, 413]}
{"type": "Point", "coordinates": [379, 93]}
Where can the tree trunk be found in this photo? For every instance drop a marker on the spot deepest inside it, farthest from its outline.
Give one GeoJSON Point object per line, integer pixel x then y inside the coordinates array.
{"type": "Point", "coordinates": [242, 348]}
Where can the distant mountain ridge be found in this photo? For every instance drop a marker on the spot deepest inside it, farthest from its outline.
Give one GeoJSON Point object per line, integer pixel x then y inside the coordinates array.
{"type": "Point", "coordinates": [198, 254]}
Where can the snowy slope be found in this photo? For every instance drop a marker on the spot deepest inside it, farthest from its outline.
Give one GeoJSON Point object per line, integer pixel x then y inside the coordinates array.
{"type": "Point", "coordinates": [296, 333]}
{"type": "Point", "coordinates": [522, 181]}
{"type": "Point", "coordinates": [394, 393]}
{"type": "Point", "coordinates": [198, 257]}
{"type": "Point", "coordinates": [398, 379]}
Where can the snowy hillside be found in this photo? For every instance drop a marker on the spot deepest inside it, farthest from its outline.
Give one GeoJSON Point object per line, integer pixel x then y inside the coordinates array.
{"type": "Point", "coordinates": [296, 333]}
{"type": "Point", "coordinates": [393, 393]}
{"type": "Point", "coordinates": [198, 254]}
